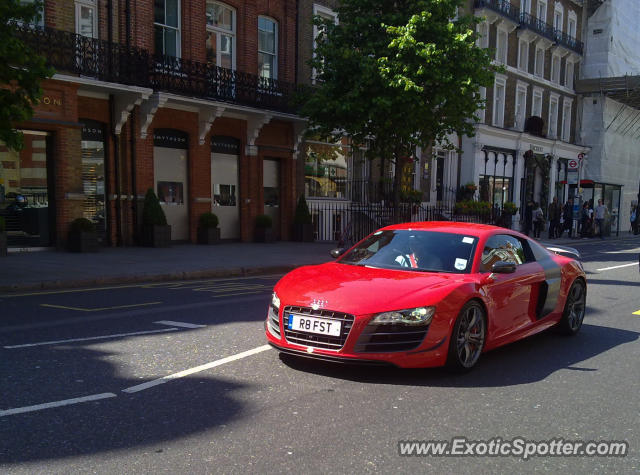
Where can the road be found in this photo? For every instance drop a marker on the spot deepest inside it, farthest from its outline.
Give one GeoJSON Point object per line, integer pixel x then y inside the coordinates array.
{"type": "Point", "coordinates": [175, 377]}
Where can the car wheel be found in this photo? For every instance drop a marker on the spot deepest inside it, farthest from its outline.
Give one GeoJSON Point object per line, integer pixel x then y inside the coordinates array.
{"type": "Point", "coordinates": [468, 337]}
{"type": "Point", "coordinates": [574, 309]}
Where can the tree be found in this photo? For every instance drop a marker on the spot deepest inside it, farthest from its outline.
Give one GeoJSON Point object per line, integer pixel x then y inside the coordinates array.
{"type": "Point", "coordinates": [21, 72]}
{"type": "Point", "coordinates": [399, 72]}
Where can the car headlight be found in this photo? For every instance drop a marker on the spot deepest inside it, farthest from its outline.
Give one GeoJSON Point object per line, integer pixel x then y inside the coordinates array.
{"type": "Point", "coordinates": [411, 316]}
{"type": "Point", "coordinates": [275, 302]}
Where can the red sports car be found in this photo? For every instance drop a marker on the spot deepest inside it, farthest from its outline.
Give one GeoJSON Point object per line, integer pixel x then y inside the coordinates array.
{"type": "Point", "coordinates": [427, 294]}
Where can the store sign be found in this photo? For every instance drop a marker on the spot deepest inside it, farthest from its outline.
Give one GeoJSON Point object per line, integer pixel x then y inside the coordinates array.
{"type": "Point", "coordinates": [535, 148]}
{"type": "Point", "coordinates": [572, 177]}
{"type": "Point", "coordinates": [51, 104]}
{"type": "Point", "coordinates": [92, 130]}
{"type": "Point", "coordinates": [572, 164]}
{"type": "Point", "coordinates": [224, 144]}
{"type": "Point", "coordinates": [170, 138]}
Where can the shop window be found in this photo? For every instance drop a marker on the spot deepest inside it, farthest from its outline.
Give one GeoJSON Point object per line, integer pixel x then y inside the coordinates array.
{"type": "Point", "coordinates": [325, 171]}
{"type": "Point", "coordinates": [495, 189]}
{"type": "Point", "coordinates": [93, 183]}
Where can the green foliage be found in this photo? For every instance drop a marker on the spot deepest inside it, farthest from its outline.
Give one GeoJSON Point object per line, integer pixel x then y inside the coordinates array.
{"type": "Point", "coordinates": [21, 72]}
{"type": "Point", "coordinates": [398, 71]}
{"type": "Point", "coordinates": [509, 207]}
{"type": "Point", "coordinates": [152, 213]}
{"type": "Point", "coordinates": [3, 225]}
{"type": "Point", "coordinates": [208, 220]}
{"type": "Point", "coordinates": [263, 221]}
{"type": "Point", "coordinates": [80, 225]}
{"type": "Point", "coordinates": [411, 196]}
{"type": "Point", "coordinates": [473, 207]}
{"type": "Point", "coordinates": [303, 215]}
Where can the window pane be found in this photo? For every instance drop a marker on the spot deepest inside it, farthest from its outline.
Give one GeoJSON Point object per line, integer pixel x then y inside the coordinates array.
{"type": "Point", "coordinates": [170, 37]}
{"type": "Point", "coordinates": [265, 65]}
{"type": "Point", "coordinates": [172, 13]}
{"type": "Point", "coordinates": [159, 39]}
{"type": "Point", "coordinates": [211, 48]}
{"type": "Point", "coordinates": [265, 24]}
{"type": "Point", "coordinates": [226, 51]}
{"type": "Point", "coordinates": [85, 22]}
{"type": "Point", "coordinates": [266, 42]}
{"type": "Point", "coordinates": [158, 11]}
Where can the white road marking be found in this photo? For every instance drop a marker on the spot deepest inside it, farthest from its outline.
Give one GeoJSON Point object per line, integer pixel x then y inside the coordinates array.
{"type": "Point", "coordinates": [179, 324]}
{"type": "Point", "coordinates": [103, 337]}
{"type": "Point", "coordinates": [196, 369]}
{"type": "Point", "coordinates": [617, 267]}
{"type": "Point", "coordinates": [47, 405]}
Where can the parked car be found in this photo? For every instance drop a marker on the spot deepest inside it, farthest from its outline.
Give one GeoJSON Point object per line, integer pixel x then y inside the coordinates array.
{"type": "Point", "coordinates": [427, 294]}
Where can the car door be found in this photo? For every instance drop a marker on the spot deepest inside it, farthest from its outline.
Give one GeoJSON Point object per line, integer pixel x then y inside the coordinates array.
{"type": "Point", "coordinates": [508, 295]}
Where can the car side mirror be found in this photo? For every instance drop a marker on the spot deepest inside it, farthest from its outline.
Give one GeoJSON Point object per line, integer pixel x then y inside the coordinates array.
{"type": "Point", "coordinates": [335, 253]}
{"type": "Point", "coordinates": [502, 267]}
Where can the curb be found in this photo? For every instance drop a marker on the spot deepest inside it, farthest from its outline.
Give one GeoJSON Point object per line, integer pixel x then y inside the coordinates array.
{"type": "Point", "coordinates": [139, 278]}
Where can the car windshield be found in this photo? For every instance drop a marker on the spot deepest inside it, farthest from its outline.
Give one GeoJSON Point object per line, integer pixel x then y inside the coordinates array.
{"type": "Point", "coordinates": [411, 250]}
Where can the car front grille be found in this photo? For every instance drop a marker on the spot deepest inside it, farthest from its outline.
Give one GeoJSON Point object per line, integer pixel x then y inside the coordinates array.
{"type": "Point", "coordinates": [312, 339]}
{"type": "Point", "coordinates": [273, 322]}
{"type": "Point", "coordinates": [390, 338]}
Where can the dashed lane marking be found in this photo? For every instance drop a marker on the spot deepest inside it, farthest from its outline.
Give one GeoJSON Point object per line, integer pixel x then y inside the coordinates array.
{"type": "Point", "coordinates": [102, 337]}
{"type": "Point", "coordinates": [47, 405]}
{"type": "Point", "coordinates": [179, 324]}
{"type": "Point", "coordinates": [637, 312]}
{"type": "Point", "coordinates": [617, 267]}
{"type": "Point", "coordinates": [196, 369]}
{"type": "Point", "coordinates": [82, 309]}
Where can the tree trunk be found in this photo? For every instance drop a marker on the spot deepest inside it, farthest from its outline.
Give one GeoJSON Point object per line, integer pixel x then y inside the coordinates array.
{"type": "Point", "coordinates": [397, 182]}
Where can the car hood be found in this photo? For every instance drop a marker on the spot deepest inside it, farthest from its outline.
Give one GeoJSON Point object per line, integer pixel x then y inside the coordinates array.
{"type": "Point", "coordinates": [364, 290]}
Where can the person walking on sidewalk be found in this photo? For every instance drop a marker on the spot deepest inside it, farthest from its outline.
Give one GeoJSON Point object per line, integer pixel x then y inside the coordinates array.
{"type": "Point", "coordinates": [538, 220]}
{"type": "Point", "coordinates": [555, 211]}
{"type": "Point", "coordinates": [600, 211]}
{"type": "Point", "coordinates": [567, 216]}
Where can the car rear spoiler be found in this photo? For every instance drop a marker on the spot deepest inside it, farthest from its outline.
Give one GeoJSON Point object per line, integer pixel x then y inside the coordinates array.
{"type": "Point", "coordinates": [566, 251]}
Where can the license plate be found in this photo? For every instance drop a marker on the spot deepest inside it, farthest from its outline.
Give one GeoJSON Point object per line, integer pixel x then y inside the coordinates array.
{"type": "Point", "coordinates": [321, 326]}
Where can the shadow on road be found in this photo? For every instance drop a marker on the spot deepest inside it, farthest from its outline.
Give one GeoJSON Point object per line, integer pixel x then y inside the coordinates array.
{"type": "Point", "coordinates": [523, 362]}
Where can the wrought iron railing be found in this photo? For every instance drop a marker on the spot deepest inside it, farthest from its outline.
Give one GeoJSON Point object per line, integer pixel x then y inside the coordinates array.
{"type": "Point", "coordinates": [348, 222]}
{"type": "Point", "coordinates": [526, 20]}
{"type": "Point", "coordinates": [504, 7]}
{"type": "Point", "coordinates": [73, 54]}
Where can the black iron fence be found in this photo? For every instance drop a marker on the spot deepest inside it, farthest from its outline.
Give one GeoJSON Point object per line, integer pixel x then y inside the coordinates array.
{"type": "Point", "coordinates": [74, 54]}
{"type": "Point", "coordinates": [348, 222]}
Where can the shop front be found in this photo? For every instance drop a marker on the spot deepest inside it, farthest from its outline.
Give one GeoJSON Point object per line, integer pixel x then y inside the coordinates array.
{"type": "Point", "coordinates": [225, 156]}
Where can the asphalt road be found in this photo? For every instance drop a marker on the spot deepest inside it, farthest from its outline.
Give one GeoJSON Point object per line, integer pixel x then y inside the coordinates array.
{"type": "Point", "coordinates": [176, 378]}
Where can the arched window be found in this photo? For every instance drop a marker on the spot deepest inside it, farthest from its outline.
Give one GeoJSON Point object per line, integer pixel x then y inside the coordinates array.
{"type": "Point", "coordinates": [221, 35]}
{"type": "Point", "coordinates": [267, 48]}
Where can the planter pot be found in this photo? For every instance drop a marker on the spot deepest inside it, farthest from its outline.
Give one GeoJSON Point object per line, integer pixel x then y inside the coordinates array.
{"type": "Point", "coordinates": [208, 235]}
{"type": "Point", "coordinates": [303, 232]}
{"type": "Point", "coordinates": [3, 244]}
{"type": "Point", "coordinates": [156, 236]}
{"type": "Point", "coordinates": [84, 242]}
{"type": "Point", "coordinates": [264, 235]}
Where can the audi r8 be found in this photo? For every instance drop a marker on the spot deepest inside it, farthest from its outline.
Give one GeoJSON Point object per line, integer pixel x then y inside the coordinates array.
{"type": "Point", "coordinates": [427, 294]}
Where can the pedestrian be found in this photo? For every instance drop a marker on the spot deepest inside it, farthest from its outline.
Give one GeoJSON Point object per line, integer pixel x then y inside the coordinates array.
{"type": "Point", "coordinates": [554, 214]}
{"type": "Point", "coordinates": [632, 218]}
{"type": "Point", "coordinates": [538, 220]}
{"type": "Point", "coordinates": [528, 217]}
{"type": "Point", "coordinates": [600, 212]}
{"type": "Point", "coordinates": [567, 216]}
{"type": "Point", "coordinates": [585, 220]}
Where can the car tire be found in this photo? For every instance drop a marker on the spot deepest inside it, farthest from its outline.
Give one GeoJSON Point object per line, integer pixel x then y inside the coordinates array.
{"type": "Point", "coordinates": [574, 309]}
{"type": "Point", "coordinates": [468, 337]}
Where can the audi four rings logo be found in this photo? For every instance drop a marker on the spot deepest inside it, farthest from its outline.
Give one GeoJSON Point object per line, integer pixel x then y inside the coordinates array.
{"type": "Point", "coordinates": [316, 304]}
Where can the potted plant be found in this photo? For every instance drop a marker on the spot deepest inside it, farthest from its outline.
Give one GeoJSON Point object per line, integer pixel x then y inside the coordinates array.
{"type": "Point", "coordinates": [509, 209]}
{"type": "Point", "coordinates": [264, 233]}
{"type": "Point", "coordinates": [155, 230]}
{"type": "Point", "coordinates": [208, 230]}
{"type": "Point", "coordinates": [302, 222]}
{"type": "Point", "coordinates": [83, 236]}
{"type": "Point", "coordinates": [3, 237]}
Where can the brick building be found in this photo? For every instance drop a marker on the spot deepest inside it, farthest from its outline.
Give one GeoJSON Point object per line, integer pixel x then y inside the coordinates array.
{"type": "Point", "coordinates": [189, 97]}
{"type": "Point", "coordinates": [529, 132]}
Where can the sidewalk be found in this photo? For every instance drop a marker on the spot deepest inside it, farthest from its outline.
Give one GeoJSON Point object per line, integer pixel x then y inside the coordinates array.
{"type": "Point", "coordinates": [50, 269]}
{"type": "Point", "coordinates": [23, 271]}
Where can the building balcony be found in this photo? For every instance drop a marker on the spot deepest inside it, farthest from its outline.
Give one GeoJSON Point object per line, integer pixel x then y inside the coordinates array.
{"type": "Point", "coordinates": [101, 60]}
{"type": "Point", "coordinates": [505, 9]}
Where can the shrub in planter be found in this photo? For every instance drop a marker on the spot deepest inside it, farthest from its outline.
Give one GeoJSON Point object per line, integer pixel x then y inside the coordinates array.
{"type": "Point", "coordinates": [155, 230]}
{"type": "Point", "coordinates": [264, 233]}
{"type": "Point", "coordinates": [208, 230]}
{"type": "Point", "coordinates": [83, 236]}
{"type": "Point", "coordinates": [302, 222]}
{"type": "Point", "coordinates": [3, 237]}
